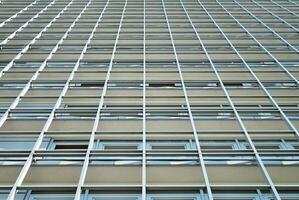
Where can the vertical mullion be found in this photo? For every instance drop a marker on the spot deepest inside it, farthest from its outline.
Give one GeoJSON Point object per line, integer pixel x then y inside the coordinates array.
{"type": "Point", "coordinates": [100, 106]}
{"type": "Point", "coordinates": [291, 1]}
{"type": "Point", "coordinates": [35, 75]}
{"type": "Point", "coordinates": [26, 48]}
{"type": "Point", "coordinates": [42, 66]}
{"type": "Point", "coordinates": [285, 8]}
{"type": "Point", "coordinates": [38, 142]}
{"type": "Point", "coordinates": [269, 28]}
{"type": "Point", "coordinates": [143, 192]}
{"type": "Point", "coordinates": [264, 48]}
{"type": "Point", "coordinates": [275, 15]}
{"type": "Point", "coordinates": [195, 134]}
{"type": "Point", "coordinates": [258, 158]}
{"type": "Point", "coordinates": [16, 14]}
{"type": "Point", "coordinates": [12, 35]}
{"type": "Point", "coordinates": [290, 124]}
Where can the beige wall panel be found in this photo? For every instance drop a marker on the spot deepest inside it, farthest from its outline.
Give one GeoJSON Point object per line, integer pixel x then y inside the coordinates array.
{"type": "Point", "coordinates": [51, 175]}
{"type": "Point", "coordinates": [199, 76]}
{"type": "Point", "coordinates": [264, 125]}
{"type": "Point", "coordinates": [235, 76]}
{"type": "Point", "coordinates": [168, 125]}
{"type": "Point", "coordinates": [120, 126]}
{"type": "Point", "coordinates": [284, 91]}
{"type": "Point", "coordinates": [170, 76]}
{"type": "Point", "coordinates": [220, 125]}
{"type": "Point", "coordinates": [237, 175]}
{"type": "Point", "coordinates": [174, 175]}
{"type": "Point", "coordinates": [123, 76]}
{"type": "Point", "coordinates": [272, 76]}
{"type": "Point", "coordinates": [207, 100]}
{"type": "Point", "coordinates": [284, 175]}
{"type": "Point", "coordinates": [164, 92]}
{"type": "Point", "coordinates": [98, 76]}
{"type": "Point", "coordinates": [84, 92]}
{"type": "Point", "coordinates": [245, 92]}
{"type": "Point", "coordinates": [22, 125]}
{"type": "Point", "coordinates": [74, 101]}
{"type": "Point", "coordinates": [248, 100]}
{"type": "Point", "coordinates": [9, 174]}
{"type": "Point", "coordinates": [165, 101]}
{"type": "Point", "coordinates": [43, 92]}
{"type": "Point", "coordinates": [114, 175]}
{"type": "Point", "coordinates": [16, 76]}
{"type": "Point", "coordinates": [71, 125]}
{"type": "Point", "coordinates": [10, 92]}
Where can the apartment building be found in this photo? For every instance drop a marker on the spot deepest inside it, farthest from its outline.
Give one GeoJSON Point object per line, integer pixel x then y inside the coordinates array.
{"type": "Point", "coordinates": [149, 100]}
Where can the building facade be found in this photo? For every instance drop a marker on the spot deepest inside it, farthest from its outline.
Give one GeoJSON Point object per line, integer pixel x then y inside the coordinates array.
{"type": "Point", "coordinates": [149, 100]}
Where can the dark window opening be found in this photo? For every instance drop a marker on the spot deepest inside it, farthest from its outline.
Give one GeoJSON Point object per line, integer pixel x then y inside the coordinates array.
{"type": "Point", "coordinates": [92, 84]}
{"type": "Point", "coordinates": [71, 146]}
{"type": "Point", "coordinates": [233, 84]}
{"type": "Point", "coordinates": [121, 147]}
{"type": "Point", "coordinates": [161, 84]}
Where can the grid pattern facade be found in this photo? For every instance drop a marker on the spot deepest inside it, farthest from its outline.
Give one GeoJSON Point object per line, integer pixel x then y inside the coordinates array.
{"type": "Point", "coordinates": [149, 100]}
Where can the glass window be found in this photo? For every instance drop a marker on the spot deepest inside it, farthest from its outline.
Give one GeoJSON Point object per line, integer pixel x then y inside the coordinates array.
{"type": "Point", "coordinates": [18, 143]}
{"type": "Point", "coordinates": [51, 197]}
